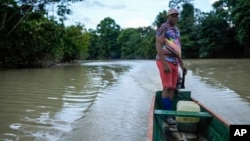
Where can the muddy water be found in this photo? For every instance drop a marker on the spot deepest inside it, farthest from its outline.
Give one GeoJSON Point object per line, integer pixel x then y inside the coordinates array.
{"type": "Point", "coordinates": [41, 104]}
{"type": "Point", "coordinates": [222, 85]}
{"type": "Point", "coordinates": [109, 100]}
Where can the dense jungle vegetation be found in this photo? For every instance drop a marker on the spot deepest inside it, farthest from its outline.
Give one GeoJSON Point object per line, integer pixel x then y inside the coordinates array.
{"type": "Point", "coordinates": [31, 38]}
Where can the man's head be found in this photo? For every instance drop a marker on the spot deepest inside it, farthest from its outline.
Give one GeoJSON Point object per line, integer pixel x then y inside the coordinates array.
{"type": "Point", "coordinates": [173, 16]}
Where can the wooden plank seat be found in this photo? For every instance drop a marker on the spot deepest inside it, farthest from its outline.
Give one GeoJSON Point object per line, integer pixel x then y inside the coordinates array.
{"type": "Point", "coordinates": [179, 135]}
{"type": "Point", "coordinates": [183, 113]}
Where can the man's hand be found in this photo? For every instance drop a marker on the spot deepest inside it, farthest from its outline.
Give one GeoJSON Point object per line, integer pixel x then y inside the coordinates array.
{"type": "Point", "coordinates": [184, 69]}
{"type": "Point", "coordinates": [166, 67]}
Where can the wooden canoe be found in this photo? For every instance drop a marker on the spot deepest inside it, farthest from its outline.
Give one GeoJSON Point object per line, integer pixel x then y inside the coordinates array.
{"type": "Point", "coordinates": [210, 127]}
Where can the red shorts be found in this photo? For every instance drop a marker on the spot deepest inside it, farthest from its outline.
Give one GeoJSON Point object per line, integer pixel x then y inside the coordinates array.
{"type": "Point", "coordinates": [169, 80]}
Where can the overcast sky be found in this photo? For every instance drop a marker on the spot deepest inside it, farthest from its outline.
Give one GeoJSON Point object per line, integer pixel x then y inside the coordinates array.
{"type": "Point", "coordinates": [126, 13]}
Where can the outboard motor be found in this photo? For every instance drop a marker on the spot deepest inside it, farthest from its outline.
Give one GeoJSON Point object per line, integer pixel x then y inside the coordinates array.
{"type": "Point", "coordinates": [181, 79]}
{"type": "Point", "coordinates": [179, 82]}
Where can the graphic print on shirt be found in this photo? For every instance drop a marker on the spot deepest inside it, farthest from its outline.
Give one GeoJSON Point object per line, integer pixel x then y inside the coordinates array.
{"type": "Point", "coordinates": [172, 41]}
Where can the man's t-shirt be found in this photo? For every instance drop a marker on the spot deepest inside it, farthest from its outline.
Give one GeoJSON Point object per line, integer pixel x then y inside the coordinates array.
{"type": "Point", "coordinates": [173, 34]}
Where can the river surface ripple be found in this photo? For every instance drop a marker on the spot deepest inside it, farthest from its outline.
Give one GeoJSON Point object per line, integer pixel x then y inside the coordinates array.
{"type": "Point", "coordinates": [110, 100]}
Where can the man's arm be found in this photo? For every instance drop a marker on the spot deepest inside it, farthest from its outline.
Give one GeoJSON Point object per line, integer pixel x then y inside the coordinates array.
{"type": "Point", "coordinates": [159, 43]}
{"type": "Point", "coordinates": [184, 69]}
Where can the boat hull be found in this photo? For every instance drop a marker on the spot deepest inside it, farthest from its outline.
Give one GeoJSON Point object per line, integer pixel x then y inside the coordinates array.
{"type": "Point", "coordinates": [211, 127]}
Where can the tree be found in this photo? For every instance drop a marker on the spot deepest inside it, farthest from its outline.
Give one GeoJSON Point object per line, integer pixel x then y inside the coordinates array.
{"type": "Point", "coordinates": [213, 36]}
{"type": "Point", "coordinates": [160, 19]}
{"type": "Point", "coordinates": [15, 12]}
{"type": "Point", "coordinates": [108, 32]}
{"type": "Point", "coordinates": [76, 43]}
{"type": "Point", "coordinates": [93, 51]}
{"type": "Point", "coordinates": [129, 40]}
{"type": "Point", "coordinates": [177, 4]}
{"type": "Point", "coordinates": [34, 42]}
{"type": "Point", "coordinates": [29, 38]}
{"type": "Point", "coordinates": [188, 28]}
{"type": "Point", "coordinates": [224, 10]}
{"type": "Point", "coordinates": [147, 45]}
{"type": "Point", "coordinates": [241, 20]}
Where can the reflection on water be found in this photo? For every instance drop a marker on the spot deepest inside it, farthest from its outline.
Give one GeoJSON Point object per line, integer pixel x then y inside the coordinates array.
{"type": "Point", "coordinates": [41, 104]}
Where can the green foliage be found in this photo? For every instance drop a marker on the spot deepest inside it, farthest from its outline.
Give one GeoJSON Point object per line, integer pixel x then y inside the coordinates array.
{"type": "Point", "coordinates": [108, 32]}
{"type": "Point", "coordinates": [137, 43]}
{"type": "Point", "coordinates": [214, 34]}
{"type": "Point", "coordinates": [178, 3]}
{"type": "Point", "coordinates": [34, 45]}
{"type": "Point", "coordinates": [9, 16]}
{"type": "Point", "coordinates": [30, 39]}
{"type": "Point", "coordinates": [213, 37]}
{"type": "Point", "coordinates": [128, 40]}
{"type": "Point", "coordinates": [187, 20]}
{"type": "Point", "coordinates": [188, 36]}
{"type": "Point", "coordinates": [29, 45]}
{"type": "Point", "coordinates": [76, 43]}
{"type": "Point", "coordinates": [147, 45]}
{"type": "Point", "coordinates": [190, 47]}
{"type": "Point", "coordinates": [160, 19]}
{"type": "Point", "coordinates": [93, 51]}
{"type": "Point", "coordinates": [241, 20]}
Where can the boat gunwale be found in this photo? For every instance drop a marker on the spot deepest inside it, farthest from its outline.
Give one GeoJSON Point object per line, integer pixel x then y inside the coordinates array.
{"type": "Point", "coordinates": [151, 120]}
{"type": "Point", "coordinates": [220, 118]}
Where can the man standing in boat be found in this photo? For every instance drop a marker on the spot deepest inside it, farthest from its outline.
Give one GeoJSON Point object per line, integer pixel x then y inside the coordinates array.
{"type": "Point", "coordinates": [168, 58]}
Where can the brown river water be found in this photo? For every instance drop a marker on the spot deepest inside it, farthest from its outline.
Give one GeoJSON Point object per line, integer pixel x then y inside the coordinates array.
{"type": "Point", "coordinates": [110, 100]}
